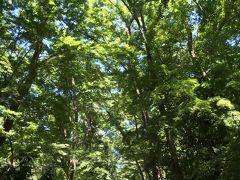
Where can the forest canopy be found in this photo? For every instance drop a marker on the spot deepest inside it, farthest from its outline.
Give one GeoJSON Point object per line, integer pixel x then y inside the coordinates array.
{"type": "Point", "coordinates": [119, 89]}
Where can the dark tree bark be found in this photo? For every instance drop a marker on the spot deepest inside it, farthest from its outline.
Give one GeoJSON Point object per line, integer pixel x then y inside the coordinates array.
{"type": "Point", "coordinates": [23, 89]}
{"type": "Point", "coordinates": [173, 151]}
{"type": "Point", "coordinates": [140, 170]}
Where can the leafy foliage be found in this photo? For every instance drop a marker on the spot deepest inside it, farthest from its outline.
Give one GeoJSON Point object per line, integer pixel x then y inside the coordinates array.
{"type": "Point", "coordinates": [119, 89]}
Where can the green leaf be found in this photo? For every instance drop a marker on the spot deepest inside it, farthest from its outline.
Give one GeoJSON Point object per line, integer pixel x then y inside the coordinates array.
{"type": "Point", "coordinates": [70, 41]}
{"type": "Point", "coordinates": [225, 103]}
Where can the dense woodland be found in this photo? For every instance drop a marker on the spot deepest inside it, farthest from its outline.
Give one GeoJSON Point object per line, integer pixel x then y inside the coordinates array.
{"type": "Point", "coordinates": [119, 89]}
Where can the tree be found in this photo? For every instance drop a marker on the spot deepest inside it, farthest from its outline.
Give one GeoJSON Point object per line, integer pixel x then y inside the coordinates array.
{"type": "Point", "coordinates": [119, 89]}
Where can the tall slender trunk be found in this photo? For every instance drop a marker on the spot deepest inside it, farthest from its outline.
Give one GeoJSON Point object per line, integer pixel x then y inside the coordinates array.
{"type": "Point", "coordinates": [73, 168]}
{"type": "Point", "coordinates": [176, 168]}
{"type": "Point", "coordinates": [23, 88]}
{"type": "Point", "coordinates": [140, 170]}
{"type": "Point", "coordinates": [74, 99]}
{"type": "Point", "coordinates": [11, 147]}
{"type": "Point", "coordinates": [156, 171]}
{"type": "Point", "coordinates": [173, 151]}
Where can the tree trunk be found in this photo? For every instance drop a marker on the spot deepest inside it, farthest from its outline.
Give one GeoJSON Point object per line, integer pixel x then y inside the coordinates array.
{"type": "Point", "coordinates": [156, 172]}
{"type": "Point", "coordinates": [140, 170]}
{"type": "Point", "coordinates": [23, 88]}
{"type": "Point", "coordinates": [173, 151]}
{"type": "Point", "coordinates": [73, 166]}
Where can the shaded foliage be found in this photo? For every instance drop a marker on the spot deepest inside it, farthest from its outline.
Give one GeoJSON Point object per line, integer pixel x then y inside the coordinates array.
{"type": "Point", "coordinates": [119, 89]}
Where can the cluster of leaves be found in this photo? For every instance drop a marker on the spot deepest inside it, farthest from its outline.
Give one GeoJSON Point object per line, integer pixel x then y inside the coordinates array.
{"type": "Point", "coordinates": [128, 89]}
